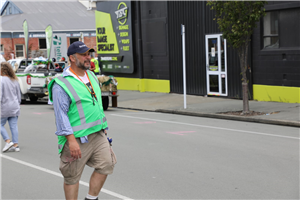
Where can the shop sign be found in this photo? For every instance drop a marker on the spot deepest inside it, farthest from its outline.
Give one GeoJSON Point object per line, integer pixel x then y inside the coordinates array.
{"type": "Point", "coordinates": [114, 36]}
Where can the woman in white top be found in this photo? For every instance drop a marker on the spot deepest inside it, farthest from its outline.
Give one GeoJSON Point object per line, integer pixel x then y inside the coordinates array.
{"type": "Point", "coordinates": [10, 97]}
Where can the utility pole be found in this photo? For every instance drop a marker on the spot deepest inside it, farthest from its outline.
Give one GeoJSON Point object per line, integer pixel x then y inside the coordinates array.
{"type": "Point", "coordinates": [140, 41]}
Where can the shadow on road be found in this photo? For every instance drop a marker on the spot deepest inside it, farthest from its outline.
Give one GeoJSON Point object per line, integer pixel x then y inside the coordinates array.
{"type": "Point", "coordinates": [39, 102]}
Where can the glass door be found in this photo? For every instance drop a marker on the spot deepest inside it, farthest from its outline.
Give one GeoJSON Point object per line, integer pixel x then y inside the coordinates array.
{"type": "Point", "coordinates": [216, 65]}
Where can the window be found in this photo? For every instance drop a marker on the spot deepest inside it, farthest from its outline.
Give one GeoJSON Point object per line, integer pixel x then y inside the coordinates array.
{"type": "Point", "coordinates": [281, 29]}
{"type": "Point", "coordinates": [73, 40]}
{"type": "Point", "coordinates": [1, 48]}
{"type": "Point", "coordinates": [19, 50]}
{"type": "Point", "coordinates": [271, 39]}
{"type": "Point", "coordinates": [42, 42]}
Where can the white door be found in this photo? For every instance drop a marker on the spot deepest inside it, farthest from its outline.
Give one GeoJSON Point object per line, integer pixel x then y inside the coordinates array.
{"type": "Point", "coordinates": [216, 65]}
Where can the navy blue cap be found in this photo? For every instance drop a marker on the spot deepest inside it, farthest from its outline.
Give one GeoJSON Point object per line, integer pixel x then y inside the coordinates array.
{"type": "Point", "coordinates": [78, 47]}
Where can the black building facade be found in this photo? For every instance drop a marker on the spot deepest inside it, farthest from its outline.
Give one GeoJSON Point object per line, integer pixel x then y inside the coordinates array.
{"type": "Point", "coordinates": [198, 20]}
{"type": "Point", "coordinates": [276, 53]}
{"type": "Point", "coordinates": [212, 66]}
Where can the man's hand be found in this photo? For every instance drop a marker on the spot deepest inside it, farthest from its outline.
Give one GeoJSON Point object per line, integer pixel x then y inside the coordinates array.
{"type": "Point", "coordinates": [74, 147]}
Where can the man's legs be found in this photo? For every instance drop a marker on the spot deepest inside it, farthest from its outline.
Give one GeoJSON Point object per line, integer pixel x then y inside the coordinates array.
{"type": "Point", "coordinates": [96, 183]}
{"type": "Point", "coordinates": [71, 191]}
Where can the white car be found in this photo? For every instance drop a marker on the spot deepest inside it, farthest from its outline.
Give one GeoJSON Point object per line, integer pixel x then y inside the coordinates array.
{"type": "Point", "coordinates": [33, 84]}
{"type": "Point", "coordinates": [19, 62]}
{"type": "Point", "coordinates": [2, 58]}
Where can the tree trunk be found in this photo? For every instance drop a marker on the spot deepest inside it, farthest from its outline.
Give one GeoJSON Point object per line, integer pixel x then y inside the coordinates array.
{"type": "Point", "coordinates": [245, 98]}
{"type": "Point", "coordinates": [243, 55]}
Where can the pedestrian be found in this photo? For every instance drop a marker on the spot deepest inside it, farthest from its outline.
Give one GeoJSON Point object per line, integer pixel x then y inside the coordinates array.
{"type": "Point", "coordinates": [81, 124]}
{"type": "Point", "coordinates": [10, 106]}
{"type": "Point", "coordinates": [58, 68]}
{"type": "Point", "coordinates": [63, 59]}
{"type": "Point", "coordinates": [95, 61]}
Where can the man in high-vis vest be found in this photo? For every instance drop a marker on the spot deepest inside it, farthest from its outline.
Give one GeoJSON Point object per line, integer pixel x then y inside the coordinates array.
{"type": "Point", "coordinates": [96, 62]}
{"type": "Point", "coordinates": [81, 124]}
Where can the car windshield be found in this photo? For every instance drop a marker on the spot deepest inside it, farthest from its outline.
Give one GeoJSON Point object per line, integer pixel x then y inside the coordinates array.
{"type": "Point", "coordinates": [13, 64]}
{"type": "Point", "coordinates": [23, 64]}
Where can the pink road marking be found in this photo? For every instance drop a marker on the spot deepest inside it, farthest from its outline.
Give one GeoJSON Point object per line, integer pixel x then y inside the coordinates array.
{"type": "Point", "coordinates": [41, 113]}
{"type": "Point", "coordinates": [174, 133]}
{"type": "Point", "coordinates": [149, 122]}
{"type": "Point", "coordinates": [180, 132]}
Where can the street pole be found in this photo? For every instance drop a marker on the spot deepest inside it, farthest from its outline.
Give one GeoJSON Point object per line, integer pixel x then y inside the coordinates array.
{"type": "Point", "coordinates": [183, 64]}
{"type": "Point", "coordinates": [139, 36]}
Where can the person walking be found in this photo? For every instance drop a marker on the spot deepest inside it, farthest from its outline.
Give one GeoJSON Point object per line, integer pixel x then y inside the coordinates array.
{"type": "Point", "coordinates": [10, 97]}
{"type": "Point", "coordinates": [81, 124]}
{"type": "Point", "coordinates": [96, 62]}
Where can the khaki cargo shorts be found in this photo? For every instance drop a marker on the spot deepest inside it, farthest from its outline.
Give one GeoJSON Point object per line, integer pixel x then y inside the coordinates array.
{"type": "Point", "coordinates": [97, 153]}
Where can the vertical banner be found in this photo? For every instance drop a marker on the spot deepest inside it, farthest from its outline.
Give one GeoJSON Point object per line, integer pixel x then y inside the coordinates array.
{"type": "Point", "coordinates": [25, 29]}
{"type": "Point", "coordinates": [59, 46]}
{"type": "Point", "coordinates": [114, 36]}
{"type": "Point", "coordinates": [48, 32]}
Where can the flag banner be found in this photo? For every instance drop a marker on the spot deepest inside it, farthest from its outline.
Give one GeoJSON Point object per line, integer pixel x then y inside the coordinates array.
{"type": "Point", "coordinates": [25, 29]}
{"type": "Point", "coordinates": [48, 32]}
{"type": "Point", "coordinates": [59, 46]}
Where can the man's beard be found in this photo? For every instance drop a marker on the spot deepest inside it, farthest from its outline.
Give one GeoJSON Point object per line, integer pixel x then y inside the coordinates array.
{"type": "Point", "coordinates": [81, 65]}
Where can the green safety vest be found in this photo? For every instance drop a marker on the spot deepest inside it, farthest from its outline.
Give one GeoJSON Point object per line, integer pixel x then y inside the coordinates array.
{"type": "Point", "coordinates": [97, 68]}
{"type": "Point", "coordinates": [85, 118]}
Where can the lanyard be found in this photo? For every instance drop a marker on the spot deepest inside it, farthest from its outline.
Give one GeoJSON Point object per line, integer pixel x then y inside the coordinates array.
{"type": "Point", "coordinates": [93, 94]}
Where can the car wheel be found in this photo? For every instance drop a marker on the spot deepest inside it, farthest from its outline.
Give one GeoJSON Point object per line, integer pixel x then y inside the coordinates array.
{"type": "Point", "coordinates": [33, 98]}
{"type": "Point", "coordinates": [105, 102]}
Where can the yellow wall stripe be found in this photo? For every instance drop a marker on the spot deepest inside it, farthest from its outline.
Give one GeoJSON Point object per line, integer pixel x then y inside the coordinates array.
{"type": "Point", "coordinates": [276, 93]}
{"type": "Point", "coordinates": [143, 85]}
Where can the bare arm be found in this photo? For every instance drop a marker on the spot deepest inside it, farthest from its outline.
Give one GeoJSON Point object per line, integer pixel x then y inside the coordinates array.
{"type": "Point", "coordinates": [74, 146]}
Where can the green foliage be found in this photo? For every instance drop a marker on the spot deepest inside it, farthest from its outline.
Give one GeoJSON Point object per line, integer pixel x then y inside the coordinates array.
{"type": "Point", "coordinates": [237, 19]}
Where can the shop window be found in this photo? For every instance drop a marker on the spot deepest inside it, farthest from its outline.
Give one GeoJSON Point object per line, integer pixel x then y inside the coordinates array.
{"type": "Point", "coordinates": [19, 50]}
{"type": "Point", "coordinates": [73, 40]}
{"type": "Point", "coordinates": [281, 29]}
{"type": "Point", "coordinates": [42, 43]}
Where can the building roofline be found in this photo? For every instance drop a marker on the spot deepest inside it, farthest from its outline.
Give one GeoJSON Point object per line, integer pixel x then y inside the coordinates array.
{"type": "Point", "coordinates": [3, 8]}
{"type": "Point", "coordinates": [5, 5]}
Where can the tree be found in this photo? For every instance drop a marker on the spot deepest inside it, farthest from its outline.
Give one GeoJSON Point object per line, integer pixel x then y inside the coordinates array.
{"type": "Point", "coordinates": [236, 20]}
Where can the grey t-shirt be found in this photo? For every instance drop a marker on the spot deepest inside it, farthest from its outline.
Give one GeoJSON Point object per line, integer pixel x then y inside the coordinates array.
{"type": "Point", "coordinates": [10, 97]}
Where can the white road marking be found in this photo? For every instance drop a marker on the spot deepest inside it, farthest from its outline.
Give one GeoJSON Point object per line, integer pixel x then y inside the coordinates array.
{"type": "Point", "coordinates": [212, 127]}
{"type": "Point", "coordinates": [59, 175]}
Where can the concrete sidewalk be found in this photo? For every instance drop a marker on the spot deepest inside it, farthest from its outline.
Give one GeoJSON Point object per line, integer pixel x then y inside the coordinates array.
{"type": "Point", "coordinates": [275, 113]}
